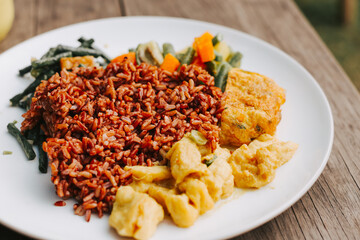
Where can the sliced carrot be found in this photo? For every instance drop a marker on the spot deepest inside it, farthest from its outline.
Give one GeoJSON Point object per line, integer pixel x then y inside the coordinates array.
{"type": "Point", "coordinates": [207, 35]}
{"type": "Point", "coordinates": [131, 56]}
{"type": "Point", "coordinates": [170, 63]}
{"type": "Point", "coordinates": [206, 51]}
{"type": "Point", "coordinates": [204, 47]}
{"type": "Point", "coordinates": [202, 38]}
{"type": "Point", "coordinates": [197, 61]}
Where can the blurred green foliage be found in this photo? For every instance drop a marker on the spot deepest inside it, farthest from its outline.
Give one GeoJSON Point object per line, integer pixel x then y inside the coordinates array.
{"type": "Point", "coordinates": [343, 41]}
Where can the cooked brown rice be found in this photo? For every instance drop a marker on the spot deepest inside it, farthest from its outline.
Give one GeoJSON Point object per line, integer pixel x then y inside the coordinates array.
{"type": "Point", "coordinates": [100, 120]}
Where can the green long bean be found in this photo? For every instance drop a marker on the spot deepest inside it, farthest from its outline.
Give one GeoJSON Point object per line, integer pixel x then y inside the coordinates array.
{"type": "Point", "coordinates": [235, 59]}
{"type": "Point", "coordinates": [221, 76]}
{"type": "Point", "coordinates": [50, 53]}
{"type": "Point", "coordinates": [188, 56]}
{"type": "Point", "coordinates": [43, 160]}
{"type": "Point", "coordinates": [51, 60]}
{"type": "Point", "coordinates": [25, 145]}
{"type": "Point", "coordinates": [86, 43]}
{"type": "Point", "coordinates": [81, 51]}
{"type": "Point", "coordinates": [25, 70]}
{"type": "Point", "coordinates": [168, 48]}
{"type": "Point", "coordinates": [218, 38]}
{"type": "Point", "coordinates": [31, 88]}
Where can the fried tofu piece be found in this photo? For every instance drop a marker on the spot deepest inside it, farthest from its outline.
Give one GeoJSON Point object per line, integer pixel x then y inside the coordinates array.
{"type": "Point", "coordinates": [135, 214]}
{"type": "Point", "coordinates": [254, 165]}
{"type": "Point", "coordinates": [252, 107]}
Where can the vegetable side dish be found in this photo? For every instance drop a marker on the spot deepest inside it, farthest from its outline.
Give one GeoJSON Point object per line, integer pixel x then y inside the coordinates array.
{"type": "Point", "coordinates": [147, 133]}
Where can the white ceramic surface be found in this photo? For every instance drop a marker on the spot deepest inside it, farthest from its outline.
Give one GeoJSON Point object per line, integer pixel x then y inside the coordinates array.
{"type": "Point", "coordinates": [27, 197]}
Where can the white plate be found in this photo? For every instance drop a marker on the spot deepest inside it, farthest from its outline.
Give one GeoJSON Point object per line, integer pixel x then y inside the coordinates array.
{"type": "Point", "coordinates": [27, 197]}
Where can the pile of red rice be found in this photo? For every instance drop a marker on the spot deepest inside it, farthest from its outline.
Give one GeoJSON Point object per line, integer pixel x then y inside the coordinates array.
{"type": "Point", "coordinates": [100, 120]}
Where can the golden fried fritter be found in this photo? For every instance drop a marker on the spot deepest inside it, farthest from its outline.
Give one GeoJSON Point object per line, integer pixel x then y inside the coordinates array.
{"type": "Point", "coordinates": [252, 107]}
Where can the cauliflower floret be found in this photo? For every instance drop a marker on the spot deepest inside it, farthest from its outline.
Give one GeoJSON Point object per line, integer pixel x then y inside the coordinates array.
{"type": "Point", "coordinates": [149, 174]}
{"type": "Point", "coordinates": [185, 160]}
{"type": "Point", "coordinates": [254, 165]}
{"type": "Point", "coordinates": [182, 212]}
{"type": "Point", "coordinates": [219, 181]}
{"type": "Point", "coordinates": [142, 187]}
{"type": "Point", "coordinates": [198, 193]}
{"type": "Point", "coordinates": [135, 214]}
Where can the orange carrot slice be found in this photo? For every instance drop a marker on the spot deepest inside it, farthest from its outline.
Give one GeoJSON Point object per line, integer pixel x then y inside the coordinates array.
{"type": "Point", "coordinates": [131, 56]}
{"type": "Point", "coordinates": [204, 47]}
{"type": "Point", "coordinates": [170, 63]}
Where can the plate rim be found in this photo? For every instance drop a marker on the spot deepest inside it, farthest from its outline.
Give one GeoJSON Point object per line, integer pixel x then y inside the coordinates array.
{"type": "Point", "coordinates": [273, 213]}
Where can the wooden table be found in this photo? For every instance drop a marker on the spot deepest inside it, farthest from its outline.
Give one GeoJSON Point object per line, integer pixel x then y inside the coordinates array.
{"type": "Point", "coordinates": [331, 208]}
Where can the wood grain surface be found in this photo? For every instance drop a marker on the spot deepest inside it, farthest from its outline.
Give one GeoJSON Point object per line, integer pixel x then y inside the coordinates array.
{"type": "Point", "coordinates": [331, 208]}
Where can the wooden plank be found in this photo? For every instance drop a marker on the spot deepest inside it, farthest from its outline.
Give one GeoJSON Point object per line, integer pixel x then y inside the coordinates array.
{"type": "Point", "coordinates": [23, 26]}
{"type": "Point", "coordinates": [309, 217]}
{"type": "Point", "coordinates": [37, 16]}
{"type": "Point", "coordinates": [268, 231]}
{"type": "Point", "coordinates": [58, 13]}
{"type": "Point", "coordinates": [214, 11]}
{"type": "Point", "coordinates": [330, 208]}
